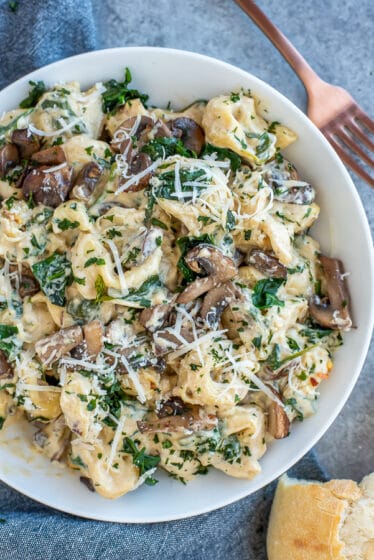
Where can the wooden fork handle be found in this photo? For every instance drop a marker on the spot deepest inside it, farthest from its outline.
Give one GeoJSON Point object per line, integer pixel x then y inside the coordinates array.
{"type": "Point", "coordinates": [280, 41]}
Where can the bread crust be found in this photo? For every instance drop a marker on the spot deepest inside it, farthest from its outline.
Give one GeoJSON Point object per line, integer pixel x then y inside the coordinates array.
{"type": "Point", "coordinates": [306, 517]}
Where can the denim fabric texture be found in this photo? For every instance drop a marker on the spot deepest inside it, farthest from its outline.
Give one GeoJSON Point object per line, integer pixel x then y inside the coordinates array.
{"type": "Point", "coordinates": [37, 33]}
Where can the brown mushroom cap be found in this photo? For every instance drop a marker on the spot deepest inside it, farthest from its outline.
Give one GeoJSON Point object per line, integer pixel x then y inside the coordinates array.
{"type": "Point", "coordinates": [278, 422]}
{"type": "Point", "coordinates": [54, 155]}
{"type": "Point", "coordinates": [53, 347]}
{"type": "Point", "coordinates": [48, 187]}
{"type": "Point", "coordinates": [210, 260]}
{"type": "Point", "coordinates": [8, 158]}
{"type": "Point", "coordinates": [266, 263]}
{"type": "Point", "coordinates": [332, 312]}
{"type": "Point", "coordinates": [191, 134]}
{"type": "Point", "coordinates": [216, 301]}
{"type": "Point", "coordinates": [26, 142]}
{"type": "Point", "coordinates": [86, 181]}
{"type": "Point", "coordinates": [26, 281]}
{"type": "Point", "coordinates": [6, 370]}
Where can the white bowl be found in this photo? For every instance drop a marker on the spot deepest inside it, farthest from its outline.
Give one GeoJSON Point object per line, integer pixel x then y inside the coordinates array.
{"type": "Point", "coordinates": [342, 230]}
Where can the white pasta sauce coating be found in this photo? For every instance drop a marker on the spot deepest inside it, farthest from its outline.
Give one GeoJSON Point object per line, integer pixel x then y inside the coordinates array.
{"type": "Point", "coordinates": [157, 284]}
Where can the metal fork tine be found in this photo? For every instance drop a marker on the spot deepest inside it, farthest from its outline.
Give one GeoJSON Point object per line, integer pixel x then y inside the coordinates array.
{"type": "Point", "coordinates": [356, 131]}
{"type": "Point", "coordinates": [342, 136]}
{"type": "Point", "coordinates": [350, 161]}
{"type": "Point", "coordinates": [361, 116]}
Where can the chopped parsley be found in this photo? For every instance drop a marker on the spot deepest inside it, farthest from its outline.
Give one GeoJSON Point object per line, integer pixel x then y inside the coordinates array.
{"type": "Point", "coordinates": [94, 260]}
{"type": "Point", "coordinates": [141, 459]}
{"type": "Point", "coordinates": [65, 224]}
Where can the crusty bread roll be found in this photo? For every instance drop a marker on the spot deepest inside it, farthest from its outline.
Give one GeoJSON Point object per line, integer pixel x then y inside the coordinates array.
{"type": "Point", "coordinates": [316, 521]}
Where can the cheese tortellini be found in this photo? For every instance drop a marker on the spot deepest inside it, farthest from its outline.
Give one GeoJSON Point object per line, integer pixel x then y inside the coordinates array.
{"type": "Point", "coordinates": [161, 301]}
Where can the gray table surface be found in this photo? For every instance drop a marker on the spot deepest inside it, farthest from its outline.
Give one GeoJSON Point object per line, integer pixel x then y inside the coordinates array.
{"type": "Point", "coordinates": [337, 38]}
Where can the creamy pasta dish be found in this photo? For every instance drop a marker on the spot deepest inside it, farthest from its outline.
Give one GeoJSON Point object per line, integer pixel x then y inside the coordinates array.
{"type": "Point", "coordinates": [162, 304]}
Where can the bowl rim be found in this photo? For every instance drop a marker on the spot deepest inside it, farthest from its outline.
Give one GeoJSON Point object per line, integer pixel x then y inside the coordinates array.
{"type": "Point", "coordinates": [236, 495]}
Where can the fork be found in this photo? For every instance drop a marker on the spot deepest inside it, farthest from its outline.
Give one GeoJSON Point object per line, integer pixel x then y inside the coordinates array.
{"type": "Point", "coordinates": [332, 109]}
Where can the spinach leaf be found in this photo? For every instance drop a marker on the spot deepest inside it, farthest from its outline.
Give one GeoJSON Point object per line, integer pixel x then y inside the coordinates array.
{"type": "Point", "coordinates": [313, 334]}
{"type": "Point", "coordinates": [12, 124]}
{"type": "Point", "coordinates": [36, 91]}
{"type": "Point", "coordinates": [118, 93]}
{"type": "Point", "coordinates": [164, 147]}
{"type": "Point", "coordinates": [273, 360]}
{"type": "Point", "coordinates": [264, 293]}
{"type": "Point", "coordinates": [185, 244]}
{"type": "Point", "coordinates": [292, 402]}
{"type": "Point", "coordinates": [166, 189]}
{"type": "Point", "coordinates": [9, 344]}
{"type": "Point", "coordinates": [53, 274]}
{"type": "Point", "coordinates": [84, 311]}
{"type": "Point", "coordinates": [222, 154]}
{"type": "Point", "coordinates": [78, 462]}
{"type": "Point", "coordinates": [100, 289]}
{"type": "Point", "coordinates": [143, 294]}
{"type": "Point", "coordinates": [263, 141]}
{"type": "Point", "coordinates": [230, 220]}
{"type": "Point", "coordinates": [141, 459]}
{"type": "Point", "coordinates": [167, 186]}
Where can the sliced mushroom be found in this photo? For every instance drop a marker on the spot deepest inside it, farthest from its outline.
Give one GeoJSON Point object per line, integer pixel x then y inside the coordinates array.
{"type": "Point", "coordinates": [153, 318]}
{"type": "Point", "coordinates": [171, 407]}
{"type": "Point", "coordinates": [53, 347]}
{"type": "Point", "coordinates": [48, 187]}
{"type": "Point", "coordinates": [266, 263]}
{"type": "Point", "coordinates": [284, 179]}
{"type": "Point", "coordinates": [87, 181]}
{"type": "Point", "coordinates": [53, 438]}
{"type": "Point", "coordinates": [278, 422]}
{"type": "Point", "coordinates": [25, 281]}
{"type": "Point", "coordinates": [92, 343]}
{"type": "Point", "coordinates": [207, 259]}
{"type": "Point", "coordinates": [193, 419]}
{"type": "Point", "coordinates": [191, 134]}
{"type": "Point", "coordinates": [140, 163]}
{"type": "Point", "coordinates": [6, 370]}
{"type": "Point", "coordinates": [8, 158]}
{"type": "Point", "coordinates": [54, 155]}
{"type": "Point", "coordinates": [167, 340]}
{"type": "Point", "coordinates": [103, 208]}
{"type": "Point", "coordinates": [88, 483]}
{"type": "Point", "coordinates": [161, 130]}
{"type": "Point", "coordinates": [139, 360]}
{"type": "Point", "coordinates": [332, 312]}
{"type": "Point", "coordinates": [26, 142]}
{"type": "Point", "coordinates": [93, 335]}
{"type": "Point", "coordinates": [134, 127]}
{"type": "Point", "coordinates": [216, 301]}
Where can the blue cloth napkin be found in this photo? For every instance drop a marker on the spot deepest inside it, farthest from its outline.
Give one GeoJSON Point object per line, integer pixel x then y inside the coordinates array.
{"type": "Point", "coordinates": [34, 33]}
